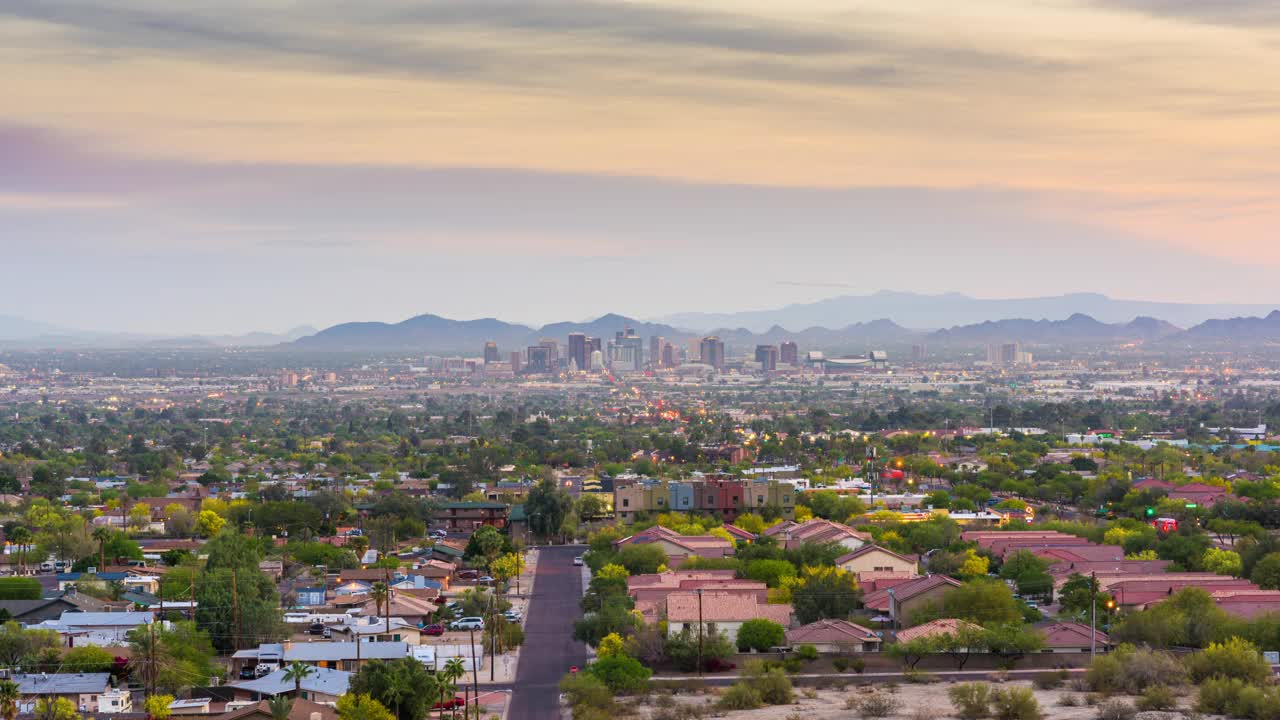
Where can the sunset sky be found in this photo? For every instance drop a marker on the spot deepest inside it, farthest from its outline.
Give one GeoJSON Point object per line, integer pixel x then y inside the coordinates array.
{"type": "Point", "coordinates": [225, 166]}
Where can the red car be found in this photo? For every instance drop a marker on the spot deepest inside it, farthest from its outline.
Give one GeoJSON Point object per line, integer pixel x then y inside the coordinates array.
{"type": "Point", "coordinates": [454, 702]}
{"type": "Point", "coordinates": [435, 629]}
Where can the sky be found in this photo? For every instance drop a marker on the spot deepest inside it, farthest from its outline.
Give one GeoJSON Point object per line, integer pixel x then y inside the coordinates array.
{"type": "Point", "coordinates": [223, 166]}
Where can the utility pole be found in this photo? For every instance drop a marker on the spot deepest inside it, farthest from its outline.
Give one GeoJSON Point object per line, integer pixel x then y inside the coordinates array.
{"type": "Point", "coordinates": [235, 609]}
{"type": "Point", "coordinates": [699, 632]}
{"type": "Point", "coordinates": [475, 679]}
{"type": "Point", "coordinates": [151, 660]}
{"type": "Point", "coordinates": [1093, 614]}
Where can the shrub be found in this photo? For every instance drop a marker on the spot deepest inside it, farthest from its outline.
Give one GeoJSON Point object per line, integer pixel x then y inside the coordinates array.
{"type": "Point", "coordinates": [1237, 658]}
{"type": "Point", "coordinates": [971, 700]}
{"type": "Point", "coordinates": [1015, 703]}
{"type": "Point", "coordinates": [1218, 693]}
{"type": "Point", "coordinates": [1116, 710]}
{"type": "Point", "coordinates": [858, 665]}
{"type": "Point", "coordinates": [772, 684]}
{"type": "Point", "coordinates": [1068, 700]}
{"type": "Point", "coordinates": [586, 691]}
{"type": "Point", "coordinates": [621, 674]}
{"type": "Point", "coordinates": [1050, 680]}
{"type": "Point", "coordinates": [840, 664]}
{"type": "Point", "coordinates": [1158, 697]}
{"type": "Point", "coordinates": [916, 677]}
{"type": "Point", "coordinates": [874, 705]}
{"type": "Point", "coordinates": [760, 635]}
{"type": "Point", "coordinates": [793, 665]}
{"type": "Point", "coordinates": [1127, 669]}
{"type": "Point", "coordinates": [808, 653]}
{"type": "Point", "coordinates": [740, 696]}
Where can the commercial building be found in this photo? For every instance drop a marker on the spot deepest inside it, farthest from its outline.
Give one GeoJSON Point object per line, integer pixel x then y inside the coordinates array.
{"type": "Point", "coordinates": [789, 353]}
{"type": "Point", "coordinates": [767, 356]}
{"type": "Point", "coordinates": [712, 352]}
{"type": "Point", "coordinates": [722, 496]}
{"type": "Point", "coordinates": [490, 352]}
{"type": "Point", "coordinates": [579, 354]}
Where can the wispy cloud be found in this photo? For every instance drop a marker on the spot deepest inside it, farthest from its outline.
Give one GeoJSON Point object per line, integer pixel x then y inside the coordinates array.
{"type": "Point", "coordinates": [1242, 13]}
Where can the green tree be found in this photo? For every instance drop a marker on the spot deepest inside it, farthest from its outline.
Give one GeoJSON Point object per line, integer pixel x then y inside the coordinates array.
{"type": "Point", "coordinates": [770, 572]}
{"type": "Point", "coordinates": [231, 549]}
{"type": "Point", "coordinates": [362, 707]}
{"type": "Point", "coordinates": [760, 634]}
{"type": "Point", "coordinates": [9, 697]}
{"type": "Point", "coordinates": [485, 545]}
{"type": "Point", "coordinates": [20, 588]}
{"type": "Point", "coordinates": [250, 618]}
{"type": "Point", "coordinates": [1222, 562]}
{"type": "Point", "coordinates": [1029, 571]}
{"type": "Point", "coordinates": [296, 672]}
{"type": "Point", "coordinates": [1012, 641]}
{"type": "Point", "coordinates": [682, 648]}
{"type": "Point", "coordinates": [623, 675]}
{"type": "Point", "coordinates": [88, 659]}
{"type": "Point", "coordinates": [642, 559]}
{"type": "Point", "coordinates": [547, 506]}
{"type": "Point", "coordinates": [825, 592]}
{"type": "Point", "coordinates": [281, 705]}
{"type": "Point", "coordinates": [403, 686]}
{"type": "Point", "coordinates": [1266, 574]}
{"type": "Point", "coordinates": [157, 706]}
{"type": "Point", "coordinates": [982, 602]}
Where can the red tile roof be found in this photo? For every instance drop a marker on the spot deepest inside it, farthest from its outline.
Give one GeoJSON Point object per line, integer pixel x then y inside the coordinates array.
{"type": "Point", "coordinates": [935, 628]}
{"type": "Point", "coordinates": [831, 632]}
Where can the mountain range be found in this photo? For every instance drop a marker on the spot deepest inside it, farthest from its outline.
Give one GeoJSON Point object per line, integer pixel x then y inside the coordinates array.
{"type": "Point", "coordinates": [932, 312]}
{"type": "Point", "coordinates": [849, 323]}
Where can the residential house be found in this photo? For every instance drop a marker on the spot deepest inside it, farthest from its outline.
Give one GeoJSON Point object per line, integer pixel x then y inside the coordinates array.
{"type": "Point", "coordinates": [875, 559]}
{"type": "Point", "coordinates": [471, 515]}
{"type": "Point", "coordinates": [324, 685]}
{"type": "Point", "coordinates": [823, 532]}
{"type": "Point", "coordinates": [935, 628]}
{"type": "Point", "coordinates": [900, 601]}
{"type": "Point", "coordinates": [834, 637]}
{"type": "Point", "coordinates": [372, 629]}
{"type": "Point", "coordinates": [720, 611]}
{"type": "Point", "coordinates": [90, 692]}
{"type": "Point", "coordinates": [103, 629]}
{"type": "Point", "coordinates": [300, 710]}
{"type": "Point", "coordinates": [677, 546]}
{"type": "Point", "coordinates": [324, 654]}
{"type": "Point", "coordinates": [1071, 637]}
{"type": "Point", "coordinates": [34, 612]}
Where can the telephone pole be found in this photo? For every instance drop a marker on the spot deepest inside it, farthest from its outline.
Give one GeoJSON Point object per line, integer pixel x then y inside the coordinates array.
{"type": "Point", "coordinates": [1093, 614]}
{"type": "Point", "coordinates": [151, 660]}
{"type": "Point", "coordinates": [235, 609]}
{"type": "Point", "coordinates": [475, 679]}
{"type": "Point", "coordinates": [699, 632]}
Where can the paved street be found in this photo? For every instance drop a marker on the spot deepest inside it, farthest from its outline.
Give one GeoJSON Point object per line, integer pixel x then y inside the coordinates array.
{"type": "Point", "coordinates": [549, 648]}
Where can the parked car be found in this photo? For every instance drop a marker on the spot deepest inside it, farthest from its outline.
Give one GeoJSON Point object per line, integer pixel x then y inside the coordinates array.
{"type": "Point", "coordinates": [433, 629]}
{"type": "Point", "coordinates": [718, 665]}
{"type": "Point", "coordinates": [467, 623]}
{"type": "Point", "coordinates": [316, 629]}
{"type": "Point", "coordinates": [456, 701]}
{"type": "Point", "coordinates": [484, 580]}
{"type": "Point", "coordinates": [514, 616]}
{"type": "Point", "coordinates": [468, 574]}
{"type": "Point", "coordinates": [577, 560]}
{"type": "Point", "coordinates": [439, 534]}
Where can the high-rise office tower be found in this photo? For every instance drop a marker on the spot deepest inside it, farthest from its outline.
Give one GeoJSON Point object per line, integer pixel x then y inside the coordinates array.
{"type": "Point", "coordinates": [515, 361]}
{"type": "Point", "coordinates": [919, 352]}
{"type": "Point", "coordinates": [538, 359]}
{"type": "Point", "coordinates": [669, 358]}
{"type": "Point", "coordinates": [712, 352]}
{"type": "Point", "coordinates": [789, 353]}
{"type": "Point", "coordinates": [490, 352]}
{"type": "Point", "coordinates": [767, 356]}
{"type": "Point", "coordinates": [579, 351]}
{"type": "Point", "coordinates": [655, 350]}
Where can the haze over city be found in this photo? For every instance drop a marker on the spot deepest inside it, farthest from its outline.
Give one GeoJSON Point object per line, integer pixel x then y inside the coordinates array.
{"type": "Point", "coordinates": [220, 168]}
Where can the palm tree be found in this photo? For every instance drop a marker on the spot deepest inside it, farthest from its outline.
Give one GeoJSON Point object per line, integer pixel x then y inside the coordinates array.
{"type": "Point", "coordinates": [297, 672]}
{"type": "Point", "coordinates": [102, 534]}
{"type": "Point", "coordinates": [359, 544]}
{"type": "Point", "coordinates": [280, 707]}
{"type": "Point", "coordinates": [8, 699]}
{"type": "Point", "coordinates": [454, 670]}
{"type": "Point", "coordinates": [379, 594]}
{"type": "Point", "coordinates": [21, 537]}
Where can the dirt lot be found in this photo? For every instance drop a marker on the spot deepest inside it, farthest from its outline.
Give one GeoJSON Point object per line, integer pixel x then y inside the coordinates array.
{"type": "Point", "coordinates": [915, 702]}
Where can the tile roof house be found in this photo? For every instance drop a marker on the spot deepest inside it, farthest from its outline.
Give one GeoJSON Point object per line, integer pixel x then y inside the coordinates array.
{"type": "Point", "coordinates": [834, 636]}
{"type": "Point", "coordinates": [1248, 604]}
{"type": "Point", "coordinates": [875, 559]}
{"type": "Point", "coordinates": [301, 710]}
{"type": "Point", "coordinates": [103, 629]}
{"type": "Point", "coordinates": [720, 611]}
{"type": "Point", "coordinates": [914, 595]}
{"type": "Point", "coordinates": [935, 628]}
{"type": "Point", "coordinates": [1070, 637]}
{"type": "Point", "coordinates": [677, 546]}
{"type": "Point", "coordinates": [822, 532]}
{"type": "Point", "coordinates": [32, 612]}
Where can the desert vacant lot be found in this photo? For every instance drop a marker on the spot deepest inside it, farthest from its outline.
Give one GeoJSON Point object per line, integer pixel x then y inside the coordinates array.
{"type": "Point", "coordinates": [914, 702]}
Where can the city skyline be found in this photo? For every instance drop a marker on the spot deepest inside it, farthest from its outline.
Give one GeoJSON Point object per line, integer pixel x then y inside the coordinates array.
{"type": "Point", "coordinates": [172, 167]}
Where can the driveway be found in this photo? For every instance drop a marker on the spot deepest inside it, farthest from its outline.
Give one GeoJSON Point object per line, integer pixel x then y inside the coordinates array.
{"type": "Point", "coordinates": [549, 648]}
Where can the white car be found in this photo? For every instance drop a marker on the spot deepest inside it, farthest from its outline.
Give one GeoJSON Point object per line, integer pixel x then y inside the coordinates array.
{"type": "Point", "coordinates": [467, 623]}
{"type": "Point", "coordinates": [577, 560]}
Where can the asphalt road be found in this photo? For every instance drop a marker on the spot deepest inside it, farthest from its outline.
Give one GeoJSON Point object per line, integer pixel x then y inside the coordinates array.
{"type": "Point", "coordinates": [549, 648]}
